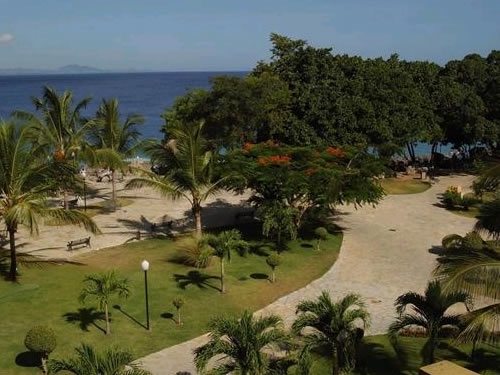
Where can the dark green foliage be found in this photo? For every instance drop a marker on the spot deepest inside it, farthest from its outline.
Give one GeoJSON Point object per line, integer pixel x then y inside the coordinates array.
{"type": "Point", "coordinates": [273, 261]}
{"type": "Point", "coordinates": [42, 340]}
{"type": "Point", "coordinates": [178, 302]}
{"type": "Point", "coordinates": [472, 241]}
{"type": "Point", "coordinates": [321, 233]}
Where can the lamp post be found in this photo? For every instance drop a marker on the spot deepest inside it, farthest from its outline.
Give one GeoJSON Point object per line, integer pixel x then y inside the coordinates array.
{"type": "Point", "coordinates": [83, 173]}
{"type": "Point", "coordinates": [145, 268]}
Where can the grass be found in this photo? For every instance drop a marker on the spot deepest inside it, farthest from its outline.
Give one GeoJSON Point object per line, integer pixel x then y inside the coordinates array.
{"type": "Point", "coordinates": [48, 295]}
{"type": "Point", "coordinates": [404, 186]}
{"type": "Point", "coordinates": [379, 357]}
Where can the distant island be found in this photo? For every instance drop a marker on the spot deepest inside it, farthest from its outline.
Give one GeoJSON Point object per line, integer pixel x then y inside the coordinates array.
{"type": "Point", "coordinates": [67, 69]}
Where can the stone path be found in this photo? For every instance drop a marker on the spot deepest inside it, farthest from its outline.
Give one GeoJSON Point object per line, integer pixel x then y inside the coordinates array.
{"type": "Point", "coordinates": [386, 251]}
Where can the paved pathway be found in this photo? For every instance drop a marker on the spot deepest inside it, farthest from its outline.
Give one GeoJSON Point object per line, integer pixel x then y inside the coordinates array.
{"type": "Point", "coordinates": [387, 251]}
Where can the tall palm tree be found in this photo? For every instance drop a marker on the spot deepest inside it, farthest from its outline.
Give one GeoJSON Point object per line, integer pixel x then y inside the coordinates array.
{"type": "Point", "coordinates": [102, 287]}
{"type": "Point", "coordinates": [476, 273]}
{"type": "Point", "coordinates": [89, 362]}
{"type": "Point", "coordinates": [25, 183]}
{"type": "Point", "coordinates": [189, 162]}
{"type": "Point", "coordinates": [428, 311]}
{"type": "Point", "coordinates": [243, 343]}
{"type": "Point", "coordinates": [223, 244]}
{"type": "Point", "coordinates": [336, 327]}
{"type": "Point", "coordinates": [59, 132]}
{"type": "Point", "coordinates": [113, 139]}
{"type": "Point", "coordinates": [488, 219]}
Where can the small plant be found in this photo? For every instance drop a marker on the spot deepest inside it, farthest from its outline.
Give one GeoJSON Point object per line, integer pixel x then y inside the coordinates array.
{"type": "Point", "coordinates": [472, 241]}
{"type": "Point", "coordinates": [452, 198]}
{"type": "Point", "coordinates": [273, 261]}
{"type": "Point", "coordinates": [41, 340]}
{"type": "Point", "coordinates": [178, 302]}
{"type": "Point", "coordinates": [321, 235]}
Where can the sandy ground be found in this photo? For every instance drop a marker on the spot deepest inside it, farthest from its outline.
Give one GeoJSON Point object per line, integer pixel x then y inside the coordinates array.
{"type": "Point", "coordinates": [387, 250]}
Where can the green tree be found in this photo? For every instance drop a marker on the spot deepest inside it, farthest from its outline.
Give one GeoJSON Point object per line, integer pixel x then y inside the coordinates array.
{"type": "Point", "coordinates": [428, 311]}
{"type": "Point", "coordinates": [89, 362]}
{"type": "Point", "coordinates": [60, 131]}
{"type": "Point", "coordinates": [223, 244]}
{"type": "Point", "coordinates": [273, 261]}
{"type": "Point", "coordinates": [244, 342]}
{"type": "Point", "coordinates": [102, 287]}
{"type": "Point", "coordinates": [321, 235]}
{"type": "Point", "coordinates": [41, 340]}
{"type": "Point", "coordinates": [476, 273]}
{"type": "Point", "coordinates": [488, 219]}
{"type": "Point", "coordinates": [178, 302]}
{"type": "Point", "coordinates": [335, 327]}
{"type": "Point", "coordinates": [278, 222]}
{"type": "Point", "coordinates": [189, 162]}
{"type": "Point", "coordinates": [113, 139]}
{"type": "Point", "coordinates": [25, 182]}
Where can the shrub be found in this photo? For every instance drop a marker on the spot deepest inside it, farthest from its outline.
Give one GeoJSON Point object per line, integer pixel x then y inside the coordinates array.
{"type": "Point", "coordinates": [321, 233]}
{"type": "Point", "coordinates": [472, 241]}
{"type": "Point", "coordinates": [193, 252]}
{"type": "Point", "coordinates": [452, 241]}
{"type": "Point", "coordinates": [178, 302]}
{"type": "Point", "coordinates": [273, 261]}
{"type": "Point", "coordinates": [42, 340]}
{"type": "Point", "coordinates": [451, 197]}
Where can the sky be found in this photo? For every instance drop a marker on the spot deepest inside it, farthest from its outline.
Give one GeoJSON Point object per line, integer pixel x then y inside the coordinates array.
{"type": "Point", "coordinates": [225, 35]}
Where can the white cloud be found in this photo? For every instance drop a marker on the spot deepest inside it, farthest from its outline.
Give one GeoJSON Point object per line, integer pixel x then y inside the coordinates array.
{"type": "Point", "coordinates": [6, 38]}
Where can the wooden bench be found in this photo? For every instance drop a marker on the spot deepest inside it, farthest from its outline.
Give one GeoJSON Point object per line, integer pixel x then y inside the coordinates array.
{"type": "Point", "coordinates": [80, 242]}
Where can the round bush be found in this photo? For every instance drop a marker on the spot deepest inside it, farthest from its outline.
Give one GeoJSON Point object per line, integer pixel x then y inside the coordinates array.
{"type": "Point", "coordinates": [178, 302]}
{"type": "Point", "coordinates": [274, 260]}
{"type": "Point", "coordinates": [321, 233]}
{"type": "Point", "coordinates": [41, 339]}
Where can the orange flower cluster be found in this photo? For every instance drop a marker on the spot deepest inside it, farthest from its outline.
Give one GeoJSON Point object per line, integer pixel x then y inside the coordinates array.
{"type": "Point", "coordinates": [248, 145]}
{"type": "Point", "coordinates": [276, 159]}
{"type": "Point", "coordinates": [309, 171]}
{"type": "Point", "coordinates": [335, 151]}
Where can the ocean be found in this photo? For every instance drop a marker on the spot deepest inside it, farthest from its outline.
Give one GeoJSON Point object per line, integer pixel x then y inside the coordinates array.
{"type": "Point", "coordinates": [147, 94]}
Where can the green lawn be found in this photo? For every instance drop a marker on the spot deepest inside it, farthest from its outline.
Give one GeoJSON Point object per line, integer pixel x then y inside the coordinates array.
{"type": "Point", "coordinates": [379, 357]}
{"type": "Point", "coordinates": [404, 186]}
{"type": "Point", "coordinates": [48, 295]}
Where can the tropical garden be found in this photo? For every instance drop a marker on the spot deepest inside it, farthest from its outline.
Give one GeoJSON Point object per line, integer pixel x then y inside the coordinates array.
{"type": "Point", "coordinates": [304, 133]}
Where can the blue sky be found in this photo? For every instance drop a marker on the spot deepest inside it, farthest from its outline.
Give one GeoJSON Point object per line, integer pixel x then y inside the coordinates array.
{"type": "Point", "coordinates": [166, 35]}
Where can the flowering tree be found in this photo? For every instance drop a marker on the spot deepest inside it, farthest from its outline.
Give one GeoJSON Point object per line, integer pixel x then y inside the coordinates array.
{"type": "Point", "coordinates": [302, 178]}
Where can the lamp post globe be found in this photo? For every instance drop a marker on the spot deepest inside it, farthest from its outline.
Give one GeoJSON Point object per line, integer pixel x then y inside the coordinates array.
{"type": "Point", "coordinates": [145, 268]}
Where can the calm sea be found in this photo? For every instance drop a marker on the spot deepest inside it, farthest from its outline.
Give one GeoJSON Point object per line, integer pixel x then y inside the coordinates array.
{"type": "Point", "coordinates": [147, 94]}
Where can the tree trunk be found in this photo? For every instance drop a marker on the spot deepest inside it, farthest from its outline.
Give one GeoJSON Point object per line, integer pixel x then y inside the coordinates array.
{"type": "Point", "coordinates": [179, 317]}
{"type": "Point", "coordinates": [222, 285]}
{"type": "Point", "coordinates": [43, 358]}
{"type": "Point", "coordinates": [197, 218]}
{"type": "Point", "coordinates": [335, 363]}
{"type": "Point", "coordinates": [13, 255]}
{"type": "Point", "coordinates": [113, 188]}
{"type": "Point", "coordinates": [65, 199]}
{"type": "Point", "coordinates": [106, 313]}
{"type": "Point", "coordinates": [273, 276]}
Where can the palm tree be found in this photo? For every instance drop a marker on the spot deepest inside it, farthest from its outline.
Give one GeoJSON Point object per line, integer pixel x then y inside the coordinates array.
{"type": "Point", "coordinates": [101, 287]}
{"type": "Point", "coordinates": [113, 139]}
{"type": "Point", "coordinates": [428, 311]}
{"type": "Point", "coordinates": [336, 327]}
{"type": "Point", "coordinates": [60, 131]}
{"type": "Point", "coordinates": [488, 220]}
{"type": "Point", "coordinates": [89, 362]}
{"type": "Point", "coordinates": [243, 343]}
{"type": "Point", "coordinates": [189, 162]}
{"type": "Point", "coordinates": [476, 273]}
{"type": "Point", "coordinates": [222, 246]}
{"type": "Point", "coordinates": [25, 183]}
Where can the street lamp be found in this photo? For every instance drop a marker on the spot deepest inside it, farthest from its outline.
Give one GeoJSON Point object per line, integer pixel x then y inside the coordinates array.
{"type": "Point", "coordinates": [145, 268]}
{"type": "Point", "coordinates": [83, 173]}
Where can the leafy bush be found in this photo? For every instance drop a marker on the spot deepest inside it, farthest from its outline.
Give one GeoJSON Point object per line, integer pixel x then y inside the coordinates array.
{"type": "Point", "coordinates": [42, 340]}
{"type": "Point", "coordinates": [321, 233]}
{"type": "Point", "coordinates": [273, 261]}
{"type": "Point", "coordinates": [452, 241]}
{"type": "Point", "coordinates": [192, 252]}
{"type": "Point", "coordinates": [451, 197]}
{"type": "Point", "coordinates": [472, 241]}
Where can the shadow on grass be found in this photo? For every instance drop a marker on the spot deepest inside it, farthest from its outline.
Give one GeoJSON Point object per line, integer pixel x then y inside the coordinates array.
{"type": "Point", "coordinates": [485, 360]}
{"type": "Point", "coordinates": [28, 359]}
{"type": "Point", "coordinates": [168, 315]}
{"type": "Point", "coordinates": [259, 276]}
{"type": "Point", "coordinates": [118, 307]}
{"type": "Point", "coordinates": [373, 358]}
{"type": "Point", "coordinates": [85, 317]}
{"type": "Point", "coordinates": [195, 278]}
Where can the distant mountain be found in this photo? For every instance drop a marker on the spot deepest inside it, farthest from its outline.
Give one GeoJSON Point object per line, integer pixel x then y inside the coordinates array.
{"type": "Point", "coordinates": [76, 69]}
{"type": "Point", "coordinates": [68, 69]}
